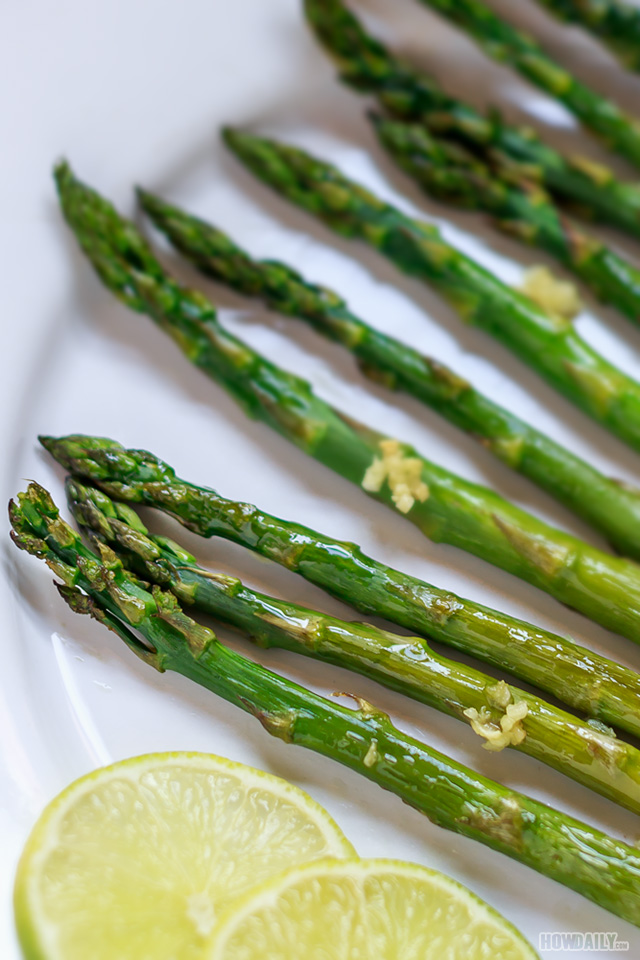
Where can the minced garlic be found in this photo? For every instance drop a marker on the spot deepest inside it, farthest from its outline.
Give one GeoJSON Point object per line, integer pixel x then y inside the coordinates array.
{"type": "Point", "coordinates": [375, 476]}
{"type": "Point", "coordinates": [508, 731]}
{"type": "Point", "coordinates": [499, 695]}
{"type": "Point", "coordinates": [402, 473]}
{"type": "Point", "coordinates": [558, 297]}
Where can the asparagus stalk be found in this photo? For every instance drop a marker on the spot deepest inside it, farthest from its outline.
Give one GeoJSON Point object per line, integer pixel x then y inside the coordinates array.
{"type": "Point", "coordinates": [583, 680]}
{"type": "Point", "coordinates": [519, 206]}
{"type": "Point", "coordinates": [548, 344]}
{"type": "Point", "coordinates": [614, 22]}
{"type": "Point", "coordinates": [503, 42]}
{"type": "Point", "coordinates": [443, 506]}
{"type": "Point", "coordinates": [366, 65]}
{"type": "Point", "coordinates": [407, 664]}
{"type": "Point", "coordinates": [451, 795]}
{"type": "Point", "coordinates": [613, 509]}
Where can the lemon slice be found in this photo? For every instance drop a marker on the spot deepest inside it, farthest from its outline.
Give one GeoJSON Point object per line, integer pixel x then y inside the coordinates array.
{"type": "Point", "coordinates": [136, 860]}
{"type": "Point", "coordinates": [364, 910]}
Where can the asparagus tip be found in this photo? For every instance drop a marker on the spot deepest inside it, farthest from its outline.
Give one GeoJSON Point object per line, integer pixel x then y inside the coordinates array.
{"type": "Point", "coordinates": [157, 209]}
{"type": "Point", "coordinates": [62, 172]}
{"type": "Point", "coordinates": [240, 141]}
{"type": "Point", "coordinates": [229, 133]}
{"type": "Point", "coordinates": [78, 601]}
{"type": "Point", "coordinates": [47, 441]}
{"type": "Point", "coordinates": [35, 500]}
{"type": "Point", "coordinates": [58, 448]}
{"type": "Point", "coordinates": [67, 450]}
{"type": "Point", "coordinates": [147, 200]}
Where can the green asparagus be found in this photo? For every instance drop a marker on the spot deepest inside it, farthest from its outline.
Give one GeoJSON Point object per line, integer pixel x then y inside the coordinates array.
{"type": "Point", "coordinates": [443, 506]}
{"type": "Point", "coordinates": [503, 715]}
{"type": "Point", "coordinates": [451, 795]}
{"type": "Point", "coordinates": [580, 678]}
{"type": "Point", "coordinates": [606, 504]}
{"type": "Point", "coordinates": [366, 65]}
{"type": "Point", "coordinates": [549, 344]}
{"type": "Point", "coordinates": [503, 42]}
{"type": "Point", "coordinates": [519, 206]}
{"type": "Point", "coordinates": [614, 22]}
{"type": "Point", "coordinates": [580, 856]}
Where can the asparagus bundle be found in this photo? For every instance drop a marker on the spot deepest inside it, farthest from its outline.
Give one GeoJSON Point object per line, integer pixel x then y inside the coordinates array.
{"type": "Point", "coordinates": [519, 206]}
{"type": "Point", "coordinates": [580, 678]}
{"type": "Point", "coordinates": [610, 507]}
{"type": "Point", "coordinates": [451, 795]}
{"type": "Point", "coordinates": [443, 506]}
{"type": "Point", "coordinates": [505, 43]}
{"type": "Point", "coordinates": [505, 716]}
{"type": "Point", "coordinates": [366, 65]}
{"type": "Point", "coordinates": [548, 344]}
{"type": "Point", "coordinates": [614, 22]}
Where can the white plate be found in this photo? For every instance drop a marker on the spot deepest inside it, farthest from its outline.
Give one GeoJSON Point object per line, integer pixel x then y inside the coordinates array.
{"type": "Point", "coordinates": [134, 91]}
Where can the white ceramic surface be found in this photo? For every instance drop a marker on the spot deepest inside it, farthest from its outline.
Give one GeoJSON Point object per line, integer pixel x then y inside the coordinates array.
{"type": "Point", "coordinates": [135, 91]}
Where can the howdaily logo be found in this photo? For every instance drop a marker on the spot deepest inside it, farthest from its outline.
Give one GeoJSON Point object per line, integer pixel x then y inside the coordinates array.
{"type": "Point", "coordinates": [567, 941]}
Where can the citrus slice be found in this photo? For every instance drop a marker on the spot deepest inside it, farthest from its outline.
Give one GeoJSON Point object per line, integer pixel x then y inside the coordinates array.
{"type": "Point", "coordinates": [136, 860]}
{"type": "Point", "coordinates": [364, 910]}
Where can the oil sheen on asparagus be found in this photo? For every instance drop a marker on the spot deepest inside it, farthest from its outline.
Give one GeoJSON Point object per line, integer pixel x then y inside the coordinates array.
{"type": "Point", "coordinates": [502, 715]}
{"type": "Point", "coordinates": [443, 506]}
{"type": "Point", "coordinates": [611, 507]}
{"type": "Point", "coordinates": [451, 795]}
{"type": "Point", "coordinates": [548, 344]}
{"type": "Point", "coordinates": [366, 65]}
{"type": "Point", "coordinates": [518, 205]}
{"type": "Point", "coordinates": [503, 42]}
{"type": "Point", "coordinates": [582, 679]}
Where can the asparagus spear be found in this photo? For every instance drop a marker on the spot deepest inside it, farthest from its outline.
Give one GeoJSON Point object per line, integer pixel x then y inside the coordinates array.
{"type": "Point", "coordinates": [503, 42]}
{"type": "Point", "coordinates": [366, 65]}
{"type": "Point", "coordinates": [519, 206]}
{"type": "Point", "coordinates": [580, 678]}
{"type": "Point", "coordinates": [611, 508]}
{"type": "Point", "coordinates": [406, 664]}
{"type": "Point", "coordinates": [548, 344]}
{"type": "Point", "coordinates": [614, 22]}
{"type": "Point", "coordinates": [443, 506]}
{"type": "Point", "coordinates": [451, 795]}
